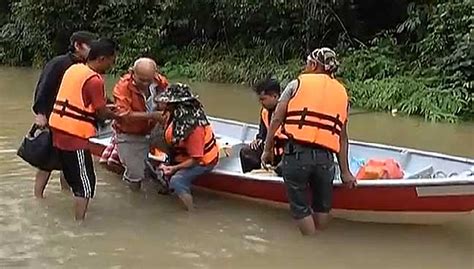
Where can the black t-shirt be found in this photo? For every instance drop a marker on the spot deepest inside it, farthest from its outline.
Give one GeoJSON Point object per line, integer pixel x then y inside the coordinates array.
{"type": "Point", "coordinates": [49, 82]}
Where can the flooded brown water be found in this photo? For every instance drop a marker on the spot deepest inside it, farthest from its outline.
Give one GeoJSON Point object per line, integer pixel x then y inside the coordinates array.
{"type": "Point", "coordinates": [128, 230]}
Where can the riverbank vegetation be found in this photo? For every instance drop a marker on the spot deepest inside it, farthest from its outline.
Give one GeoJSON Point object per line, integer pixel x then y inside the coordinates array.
{"type": "Point", "coordinates": [412, 56]}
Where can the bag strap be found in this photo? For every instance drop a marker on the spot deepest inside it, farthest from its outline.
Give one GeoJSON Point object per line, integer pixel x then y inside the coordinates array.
{"type": "Point", "coordinates": [34, 128]}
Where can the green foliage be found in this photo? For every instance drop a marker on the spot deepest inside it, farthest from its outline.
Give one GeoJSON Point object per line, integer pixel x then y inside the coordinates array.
{"type": "Point", "coordinates": [418, 59]}
{"type": "Point", "coordinates": [4, 12]}
{"type": "Point", "coordinates": [408, 95]}
{"type": "Point", "coordinates": [379, 61]}
{"type": "Point", "coordinates": [133, 24]}
{"type": "Point", "coordinates": [38, 29]}
{"type": "Point", "coordinates": [287, 28]}
{"type": "Point", "coordinates": [222, 64]}
{"type": "Point", "coordinates": [443, 46]}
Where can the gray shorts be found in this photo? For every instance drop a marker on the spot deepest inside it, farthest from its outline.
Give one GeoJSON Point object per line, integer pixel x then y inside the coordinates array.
{"type": "Point", "coordinates": [133, 151]}
{"type": "Point", "coordinates": [313, 169]}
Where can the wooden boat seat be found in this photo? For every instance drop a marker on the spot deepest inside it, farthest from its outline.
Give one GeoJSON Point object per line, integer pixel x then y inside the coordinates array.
{"type": "Point", "coordinates": [262, 172]}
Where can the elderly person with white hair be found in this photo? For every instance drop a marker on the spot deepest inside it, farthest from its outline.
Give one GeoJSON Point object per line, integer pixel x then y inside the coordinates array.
{"type": "Point", "coordinates": [134, 94]}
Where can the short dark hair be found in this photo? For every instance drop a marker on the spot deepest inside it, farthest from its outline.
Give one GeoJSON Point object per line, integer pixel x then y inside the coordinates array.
{"type": "Point", "coordinates": [83, 37]}
{"type": "Point", "coordinates": [267, 86]}
{"type": "Point", "coordinates": [102, 47]}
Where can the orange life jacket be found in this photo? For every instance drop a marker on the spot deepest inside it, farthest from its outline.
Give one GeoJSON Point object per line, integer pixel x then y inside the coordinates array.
{"type": "Point", "coordinates": [211, 150]}
{"type": "Point", "coordinates": [317, 112]}
{"type": "Point", "coordinates": [69, 112]}
{"type": "Point", "coordinates": [279, 136]}
{"type": "Point", "coordinates": [380, 169]}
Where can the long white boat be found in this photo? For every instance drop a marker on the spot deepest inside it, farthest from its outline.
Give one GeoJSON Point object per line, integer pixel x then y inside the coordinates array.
{"type": "Point", "coordinates": [436, 188]}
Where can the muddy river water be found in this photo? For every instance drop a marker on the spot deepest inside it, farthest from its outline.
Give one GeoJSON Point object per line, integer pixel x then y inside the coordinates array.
{"type": "Point", "coordinates": [130, 230]}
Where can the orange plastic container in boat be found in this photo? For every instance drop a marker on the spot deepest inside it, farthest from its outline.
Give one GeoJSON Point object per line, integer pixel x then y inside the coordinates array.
{"type": "Point", "coordinates": [380, 169]}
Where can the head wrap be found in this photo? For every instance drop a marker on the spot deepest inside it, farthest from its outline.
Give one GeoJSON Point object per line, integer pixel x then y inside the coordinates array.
{"type": "Point", "coordinates": [188, 112]}
{"type": "Point", "coordinates": [325, 57]}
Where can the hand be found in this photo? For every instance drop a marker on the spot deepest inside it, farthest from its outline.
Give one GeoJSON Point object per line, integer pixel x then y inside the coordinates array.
{"type": "Point", "coordinates": [41, 120]}
{"type": "Point", "coordinates": [267, 158]}
{"type": "Point", "coordinates": [168, 170]}
{"type": "Point", "coordinates": [256, 144]}
{"type": "Point", "coordinates": [349, 180]}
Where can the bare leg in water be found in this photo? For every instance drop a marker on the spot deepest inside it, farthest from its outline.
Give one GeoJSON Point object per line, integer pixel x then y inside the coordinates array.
{"type": "Point", "coordinates": [64, 186]}
{"type": "Point", "coordinates": [321, 220]}
{"type": "Point", "coordinates": [187, 200]}
{"type": "Point", "coordinates": [312, 223]}
{"type": "Point", "coordinates": [41, 180]}
{"type": "Point", "coordinates": [306, 225]}
{"type": "Point", "coordinates": [80, 208]}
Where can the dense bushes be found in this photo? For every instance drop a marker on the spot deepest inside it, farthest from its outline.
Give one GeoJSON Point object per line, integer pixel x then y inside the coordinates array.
{"type": "Point", "coordinates": [414, 56]}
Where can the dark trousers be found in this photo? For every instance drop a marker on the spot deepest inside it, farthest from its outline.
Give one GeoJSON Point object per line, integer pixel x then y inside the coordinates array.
{"type": "Point", "coordinates": [250, 159]}
{"type": "Point", "coordinates": [308, 169]}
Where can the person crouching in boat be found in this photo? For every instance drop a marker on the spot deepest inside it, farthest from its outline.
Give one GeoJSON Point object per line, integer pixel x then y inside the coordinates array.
{"type": "Point", "coordinates": [134, 95]}
{"type": "Point", "coordinates": [268, 92]}
{"type": "Point", "coordinates": [190, 141]}
{"type": "Point", "coordinates": [313, 113]}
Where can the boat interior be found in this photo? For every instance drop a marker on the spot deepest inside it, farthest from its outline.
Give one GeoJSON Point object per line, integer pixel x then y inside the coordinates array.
{"type": "Point", "coordinates": [232, 135]}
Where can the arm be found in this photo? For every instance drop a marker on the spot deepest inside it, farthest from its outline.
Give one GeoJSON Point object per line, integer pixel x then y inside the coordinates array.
{"type": "Point", "coordinates": [343, 152]}
{"type": "Point", "coordinates": [279, 115]}
{"type": "Point", "coordinates": [93, 93]}
{"type": "Point", "coordinates": [186, 164]}
{"type": "Point", "coordinates": [48, 84]}
{"type": "Point", "coordinates": [343, 156]}
{"type": "Point", "coordinates": [194, 145]}
{"type": "Point", "coordinates": [171, 169]}
{"type": "Point", "coordinates": [104, 113]}
{"type": "Point", "coordinates": [133, 115]}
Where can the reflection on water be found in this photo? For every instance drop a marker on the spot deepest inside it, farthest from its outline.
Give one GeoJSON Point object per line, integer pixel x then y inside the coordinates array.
{"type": "Point", "coordinates": [128, 230]}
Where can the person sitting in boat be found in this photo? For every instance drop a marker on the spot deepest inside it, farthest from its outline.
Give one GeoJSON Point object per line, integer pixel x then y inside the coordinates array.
{"type": "Point", "coordinates": [134, 96]}
{"type": "Point", "coordinates": [313, 110]}
{"type": "Point", "coordinates": [188, 139]}
{"type": "Point", "coordinates": [268, 92]}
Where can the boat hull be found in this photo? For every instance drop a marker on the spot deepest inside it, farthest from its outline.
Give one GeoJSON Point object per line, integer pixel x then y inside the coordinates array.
{"type": "Point", "coordinates": [383, 204]}
{"type": "Point", "coordinates": [403, 204]}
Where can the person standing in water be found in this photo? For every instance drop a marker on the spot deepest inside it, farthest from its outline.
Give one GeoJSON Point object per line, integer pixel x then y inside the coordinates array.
{"type": "Point", "coordinates": [134, 94]}
{"type": "Point", "coordinates": [79, 106]}
{"type": "Point", "coordinates": [312, 112]}
{"type": "Point", "coordinates": [47, 89]}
